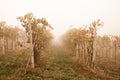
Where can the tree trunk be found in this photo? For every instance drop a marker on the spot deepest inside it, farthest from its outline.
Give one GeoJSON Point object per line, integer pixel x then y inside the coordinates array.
{"type": "Point", "coordinates": [115, 51]}
{"type": "Point", "coordinates": [77, 52]}
{"type": "Point", "coordinates": [32, 46]}
{"type": "Point", "coordinates": [93, 53]}
{"type": "Point", "coordinates": [13, 45]}
{"type": "Point", "coordinates": [36, 57]}
{"type": "Point", "coordinates": [3, 46]}
{"type": "Point", "coordinates": [6, 44]}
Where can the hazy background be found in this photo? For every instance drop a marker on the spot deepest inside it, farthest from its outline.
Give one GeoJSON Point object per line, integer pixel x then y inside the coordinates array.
{"type": "Point", "coordinates": [62, 14]}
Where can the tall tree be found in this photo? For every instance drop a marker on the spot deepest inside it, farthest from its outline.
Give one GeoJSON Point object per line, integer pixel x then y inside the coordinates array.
{"type": "Point", "coordinates": [38, 31]}
{"type": "Point", "coordinates": [93, 33]}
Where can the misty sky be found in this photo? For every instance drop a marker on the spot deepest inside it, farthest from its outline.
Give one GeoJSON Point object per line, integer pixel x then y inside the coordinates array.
{"type": "Point", "coordinates": [62, 14]}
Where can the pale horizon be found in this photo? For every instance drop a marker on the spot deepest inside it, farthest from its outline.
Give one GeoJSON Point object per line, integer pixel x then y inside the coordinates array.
{"type": "Point", "coordinates": [63, 14]}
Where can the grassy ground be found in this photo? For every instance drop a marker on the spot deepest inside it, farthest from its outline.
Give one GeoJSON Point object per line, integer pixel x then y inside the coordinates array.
{"type": "Point", "coordinates": [57, 66]}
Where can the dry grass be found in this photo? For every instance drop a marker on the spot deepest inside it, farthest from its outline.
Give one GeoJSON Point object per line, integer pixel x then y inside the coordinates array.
{"type": "Point", "coordinates": [106, 69]}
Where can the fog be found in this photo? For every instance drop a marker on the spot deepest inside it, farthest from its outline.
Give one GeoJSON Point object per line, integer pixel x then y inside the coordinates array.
{"type": "Point", "coordinates": [63, 14]}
